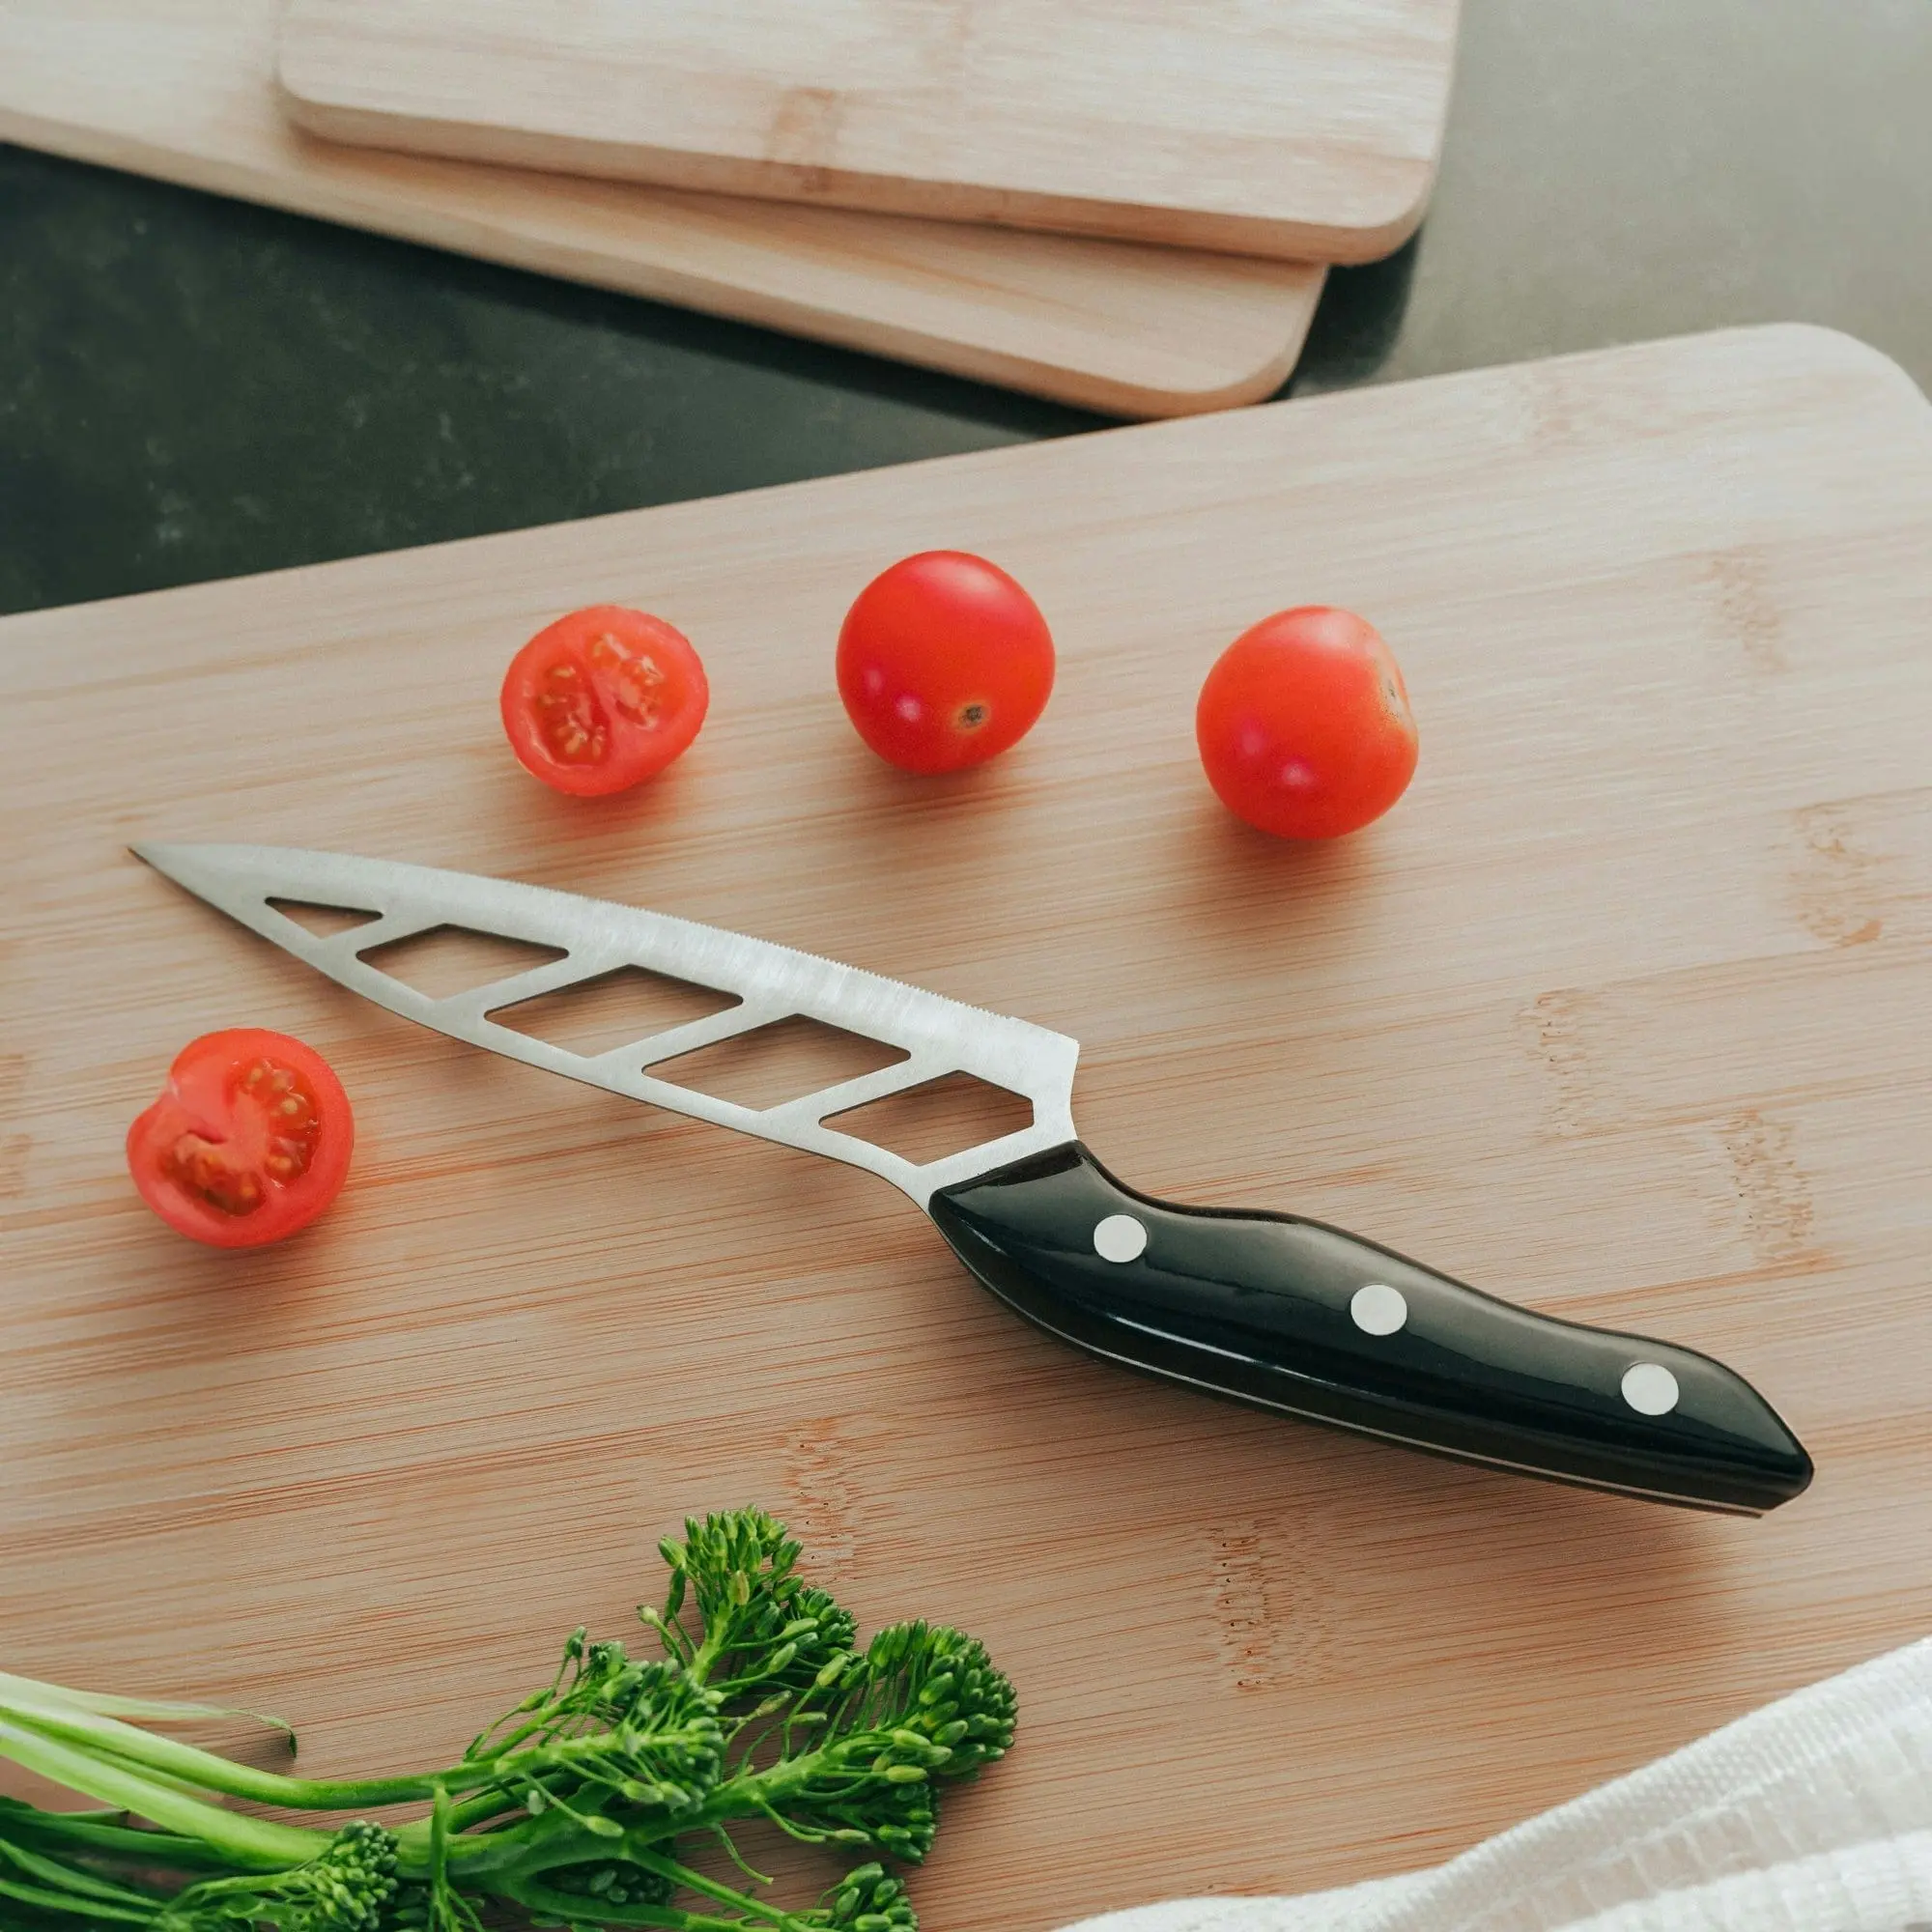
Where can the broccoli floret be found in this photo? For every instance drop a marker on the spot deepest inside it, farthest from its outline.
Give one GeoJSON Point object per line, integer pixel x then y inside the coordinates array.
{"type": "Point", "coordinates": [866, 1900]}
{"type": "Point", "coordinates": [760, 1627]}
{"type": "Point", "coordinates": [347, 1888]}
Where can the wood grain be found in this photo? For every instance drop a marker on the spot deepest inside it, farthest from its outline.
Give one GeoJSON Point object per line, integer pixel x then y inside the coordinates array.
{"type": "Point", "coordinates": [184, 90]}
{"type": "Point", "coordinates": [1621, 1014]}
{"type": "Point", "coordinates": [1305, 129]}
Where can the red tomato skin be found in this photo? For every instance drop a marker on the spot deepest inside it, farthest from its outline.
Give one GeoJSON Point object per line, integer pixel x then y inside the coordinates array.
{"type": "Point", "coordinates": [606, 653]}
{"type": "Point", "coordinates": [944, 661]}
{"type": "Point", "coordinates": [1305, 725]}
{"type": "Point", "coordinates": [205, 1103]}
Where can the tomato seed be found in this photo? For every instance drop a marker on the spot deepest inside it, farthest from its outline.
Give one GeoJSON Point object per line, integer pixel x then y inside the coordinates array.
{"type": "Point", "coordinates": [569, 718]}
{"type": "Point", "coordinates": [631, 680]}
{"type": "Point", "coordinates": [203, 1169]}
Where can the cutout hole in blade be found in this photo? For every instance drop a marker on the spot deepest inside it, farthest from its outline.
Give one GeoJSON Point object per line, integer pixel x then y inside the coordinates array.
{"type": "Point", "coordinates": [937, 1118]}
{"type": "Point", "coordinates": [593, 1015]}
{"type": "Point", "coordinates": [777, 1062]}
{"type": "Point", "coordinates": [450, 960]}
{"type": "Point", "coordinates": [322, 922]}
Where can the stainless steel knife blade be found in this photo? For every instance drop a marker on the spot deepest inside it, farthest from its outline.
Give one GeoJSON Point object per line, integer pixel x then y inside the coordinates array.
{"type": "Point", "coordinates": [770, 982]}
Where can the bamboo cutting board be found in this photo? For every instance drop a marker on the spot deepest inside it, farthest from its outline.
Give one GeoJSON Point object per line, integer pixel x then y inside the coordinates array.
{"type": "Point", "coordinates": [1621, 1014]}
{"type": "Point", "coordinates": [1304, 128]}
{"type": "Point", "coordinates": [185, 90]}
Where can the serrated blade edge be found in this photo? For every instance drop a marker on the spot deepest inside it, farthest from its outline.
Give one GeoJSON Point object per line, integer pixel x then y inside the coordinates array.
{"type": "Point", "coordinates": [596, 936]}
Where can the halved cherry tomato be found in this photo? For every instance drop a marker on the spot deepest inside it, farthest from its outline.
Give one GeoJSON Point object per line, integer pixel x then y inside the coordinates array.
{"type": "Point", "coordinates": [602, 700]}
{"type": "Point", "coordinates": [249, 1141]}
{"type": "Point", "coordinates": [943, 662]}
{"type": "Point", "coordinates": [1304, 724]}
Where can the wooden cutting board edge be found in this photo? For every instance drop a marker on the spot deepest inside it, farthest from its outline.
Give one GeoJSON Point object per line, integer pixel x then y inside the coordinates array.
{"type": "Point", "coordinates": [481, 144]}
{"type": "Point", "coordinates": [1356, 196]}
{"type": "Point", "coordinates": [1125, 330]}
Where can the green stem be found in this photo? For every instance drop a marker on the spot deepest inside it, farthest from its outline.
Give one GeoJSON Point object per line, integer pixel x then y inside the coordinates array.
{"type": "Point", "coordinates": [706, 1654]}
{"type": "Point", "coordinates": [670, 1632]}
{"type": "Point", "coordinates": [73, 1903]}
{"type": "Point", "coordinates": [475, 1811]}
{"type": "Point", "coordinates": [722, 1894]}
{"type": "Point", "coordinates": [74, 1878]}
{"type": "Point", "coordinates": [162, 1850]}
{"type": "Point", "coordinates": [490, 1745]}
{"type": "Point", "coordinates": [526, 1886]}
{"type": "Point", "coordinates": [108, 1740]}
{"type": "Point", "coordinates": [570, 1906]}
{"type": "Point", "coordinates": [438, 1841]}
{"type": "Point", "coordinates": [525, 1845]}
{"type": "Point", "coordinates": [30, 1691]}
{"type": "Point", "coordinates": [478, 1858]}
{"type": "Point", "coordinates": [253, 1842]}
{"type": "Point", "coordinates": [755, 1796]}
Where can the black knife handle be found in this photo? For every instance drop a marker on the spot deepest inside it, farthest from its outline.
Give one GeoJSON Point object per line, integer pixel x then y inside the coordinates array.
{"type": "Point", "coordinates": [1287, 1314]}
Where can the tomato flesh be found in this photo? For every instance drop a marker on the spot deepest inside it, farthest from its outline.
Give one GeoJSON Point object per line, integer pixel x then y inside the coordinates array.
{"type": "Point", "coordinates": [1305, 725]}
{"type": "Point", "coordinates": [602, 700]}
{"type": "Point", "coordinates": [250, 1140]}
{"type": "Point", "coordinates": [944, 661]}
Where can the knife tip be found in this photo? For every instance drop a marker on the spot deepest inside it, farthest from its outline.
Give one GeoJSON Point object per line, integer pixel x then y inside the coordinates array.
{"type": "Point", "coordinates": [165, 856]}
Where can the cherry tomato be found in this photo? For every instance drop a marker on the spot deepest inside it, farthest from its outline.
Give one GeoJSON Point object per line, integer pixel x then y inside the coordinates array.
{"type": "Point", "coordinates": [1305, 725]}
{"type": "Point", "coordinates": [602, 700]}
{"type": "Point", "coordinates": [943, 662]}
{"type": "Point", "coordinates": [249, 1141]}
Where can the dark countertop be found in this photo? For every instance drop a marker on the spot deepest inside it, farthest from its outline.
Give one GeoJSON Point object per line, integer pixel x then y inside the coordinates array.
{"type": "Point", "coordinates": [191, 388]}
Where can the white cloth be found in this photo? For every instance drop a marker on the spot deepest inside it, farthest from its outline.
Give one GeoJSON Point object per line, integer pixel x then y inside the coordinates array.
{"type": "Point", "coordinates": [1811, 1815]}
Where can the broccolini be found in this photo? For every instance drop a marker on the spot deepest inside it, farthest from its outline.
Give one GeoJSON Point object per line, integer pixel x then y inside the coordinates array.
{"type": "Point", "coordinates": [580, 1809]}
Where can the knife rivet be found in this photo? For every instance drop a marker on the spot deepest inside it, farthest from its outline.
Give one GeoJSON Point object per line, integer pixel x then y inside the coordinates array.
{"type": "Point", "coordinates": [1377, 1308]}
{"type": "Point", "coordinates": [1120, 1237]}
{"type": "Point", "coordinates": [1650, 1388]}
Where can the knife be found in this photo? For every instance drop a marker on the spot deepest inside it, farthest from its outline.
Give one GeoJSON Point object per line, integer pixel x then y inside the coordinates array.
{"type": "Point", "coordinates": [1268, 1309]}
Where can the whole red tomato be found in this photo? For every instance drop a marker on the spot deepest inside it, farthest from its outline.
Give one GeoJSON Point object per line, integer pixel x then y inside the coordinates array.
{"type": "Point", "coordinates": [1304, 724]}
{"type": "Point", "coordinates": [249, 1141]}
{"type": "Point", "coordinates": [602, 700]}
{"type": "Point", "coordinates": [944, 661]}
